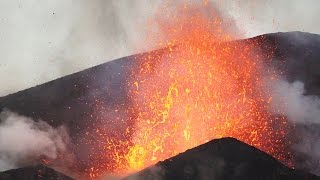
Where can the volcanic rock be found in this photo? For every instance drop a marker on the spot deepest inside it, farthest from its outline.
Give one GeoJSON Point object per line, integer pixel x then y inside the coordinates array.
{"type": "Point", "coordinates": [38, 172]}
{"type": "Point", "coordinates": [222, 159]}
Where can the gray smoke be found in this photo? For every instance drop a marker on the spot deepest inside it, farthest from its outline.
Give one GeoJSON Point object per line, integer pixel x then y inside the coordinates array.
{"type": "Point", "coordinates": [289, 100]}
{"type": "Point", "coordinates": [44, 40]}
{"type": "Point", "coordinates": [153, 172]}
{"type": "Point", "coordinates": [24, 141]}
{"type": "Point", "coordinates": [257, 17]}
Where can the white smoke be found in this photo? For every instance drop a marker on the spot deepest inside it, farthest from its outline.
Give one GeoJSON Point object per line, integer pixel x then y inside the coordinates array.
{"type": "Point", "coordinates": [44, 40]}
{"type": "Point", "coordinates": [265, 16]}
{"type": "Point", "coordinates": [152, 172]}
{"type": "Point", "coordinates": [289, 99]}
{"type": "Point", "coordinates": [23, 141]}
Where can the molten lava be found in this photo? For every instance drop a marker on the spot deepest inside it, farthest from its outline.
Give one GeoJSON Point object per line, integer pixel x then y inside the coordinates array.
{"type": "Point", "coordinates": [198, 88]}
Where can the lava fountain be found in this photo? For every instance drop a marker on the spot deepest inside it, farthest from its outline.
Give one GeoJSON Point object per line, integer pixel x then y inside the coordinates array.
{"type": "Point", "coordinates": [202, 86]}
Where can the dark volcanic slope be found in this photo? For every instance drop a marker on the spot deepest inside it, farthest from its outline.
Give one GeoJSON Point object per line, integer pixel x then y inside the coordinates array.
{"type": "Point", "coordinates": [73, 99]}
{"type": "Point", "coordinates": [70, 99]}
{"type": "Point", "coordinates": [38, 172]}
{"type": "Point", "coordinates": [222, 159]}
{"type": "Point", "coordinates": [297, 55]}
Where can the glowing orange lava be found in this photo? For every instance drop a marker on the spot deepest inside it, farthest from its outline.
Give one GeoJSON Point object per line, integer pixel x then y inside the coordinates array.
{"type": "Point", "coordinates": [198, 88]}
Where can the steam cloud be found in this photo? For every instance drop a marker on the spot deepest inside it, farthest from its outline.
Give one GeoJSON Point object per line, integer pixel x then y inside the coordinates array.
{"type": "Point", "coordinates": [266, 16]}
{"type": "Point", "coordinates": [289, 100]}
{"type": "Point", "coordinates": [153, 172]}
{"type": "Point", "coordinates": [41, 40]}
{"type": "Point", "coordinates": [24, 141]}
{"type": "Point", "coordinates": [299, 108]}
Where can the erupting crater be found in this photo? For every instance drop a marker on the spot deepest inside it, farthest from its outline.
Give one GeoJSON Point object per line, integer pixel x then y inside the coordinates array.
{"type": "Point", "coordinates": [202, 86]}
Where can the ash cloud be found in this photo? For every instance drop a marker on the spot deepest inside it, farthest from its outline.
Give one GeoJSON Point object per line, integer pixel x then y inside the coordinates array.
{"type": "Point", "coordinates": [290, 99]}
{"type": "Point", "coordinates": [42, 41]}
{"type": "Point", "coordinates": [266, 16]}
{"type": "Point", "coordinates": [302, 110]}
{"type": "Point", "coordinates": [154, 172]}
{"type": "Point", "coordinates": [24, 141]}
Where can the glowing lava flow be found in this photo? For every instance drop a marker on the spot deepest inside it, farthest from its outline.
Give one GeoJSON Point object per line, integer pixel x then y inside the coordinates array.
{"type": "Point", "coordinates": [200, 89]}
{"type": "Point", "coordinates": [197, 89]}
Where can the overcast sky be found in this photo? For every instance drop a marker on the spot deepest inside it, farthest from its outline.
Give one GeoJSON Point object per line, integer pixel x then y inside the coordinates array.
{"type": "Point", "coordinates": [41, 40]}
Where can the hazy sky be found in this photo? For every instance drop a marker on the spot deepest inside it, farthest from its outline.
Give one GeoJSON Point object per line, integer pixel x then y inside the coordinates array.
{"type": "Point", "coordinates": [41, 40]}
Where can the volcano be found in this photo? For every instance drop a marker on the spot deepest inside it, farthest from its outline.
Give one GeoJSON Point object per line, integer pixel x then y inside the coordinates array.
{"type": "Point", "coordinates": [98, 97]}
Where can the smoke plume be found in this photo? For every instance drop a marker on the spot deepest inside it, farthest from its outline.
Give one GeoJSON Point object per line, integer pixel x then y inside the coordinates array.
{"type": "Point", "coordinates": [302, 110]}
{"type": "Point", "coordinates": [42, 41]}
{"type": "Point", "coordinates": [153, 172]}
{"type": "Point", "coordinates": [265, 16]}
{"type": "Point", "coordinates": [24, 141]}
{"type": "Point", "coordinates": [299, 108]}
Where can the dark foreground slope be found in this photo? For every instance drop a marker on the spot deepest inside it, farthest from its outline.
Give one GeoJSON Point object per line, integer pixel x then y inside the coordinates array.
{"type": "Point", "coordinates": [76, 100]}
{"type": "Point", "coordinates": [222, 159]}
{"type": "Point", "coordinates": [38, 172]}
